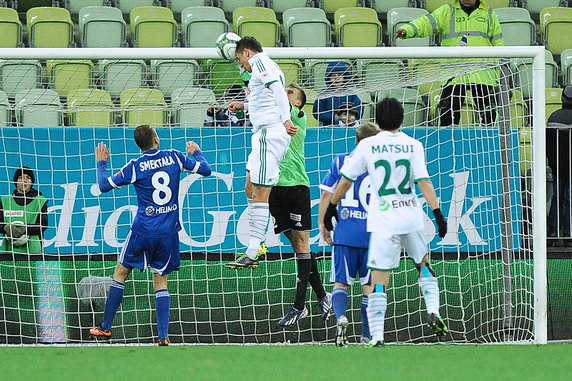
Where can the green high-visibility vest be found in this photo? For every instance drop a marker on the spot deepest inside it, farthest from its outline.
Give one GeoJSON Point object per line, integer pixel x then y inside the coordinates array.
{"type": "Point", "coordinates": [481, 27]}
{"type": "Point", "coordinates": [28, 214]}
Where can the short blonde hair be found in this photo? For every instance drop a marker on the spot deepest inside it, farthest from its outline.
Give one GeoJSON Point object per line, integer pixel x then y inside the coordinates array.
{"type": "Point", "coordinates": [366, 130]}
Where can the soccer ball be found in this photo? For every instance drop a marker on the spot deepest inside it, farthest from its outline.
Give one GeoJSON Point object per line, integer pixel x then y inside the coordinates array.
{"type": "Point", "coordinates": [226, 45]}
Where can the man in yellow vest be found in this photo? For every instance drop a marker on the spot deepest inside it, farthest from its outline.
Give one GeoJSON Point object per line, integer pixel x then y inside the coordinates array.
{"type": "Point", "coordinates": [462, 23]}
{"type": "Point", "coordinates": [23, 216]}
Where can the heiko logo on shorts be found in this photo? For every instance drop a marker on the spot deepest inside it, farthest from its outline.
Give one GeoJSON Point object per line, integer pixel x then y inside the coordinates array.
{"type": "Point", "coordinates": [383, 206]}
{"type": "Point", "coordinates": [345, 213]}
{"type": "Point", "coordinates": [149, 210]}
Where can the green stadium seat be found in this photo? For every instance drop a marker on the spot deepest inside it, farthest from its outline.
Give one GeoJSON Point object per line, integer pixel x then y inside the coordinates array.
{"type": "Point", "coordinates": [10, 28]}
{"type": "Point", "coordinates": [292, 69]}
{"type": "Point", "coordinates": [177, 6]}
{"type": "Point", "coordinates": [535, 6]}
{"type": "Point", "coordinates": [75, 6]}
{"type": "Point", "coordinates": [38, 108]}
{"type": "Point", "coordinates": [357, 27]}
{"type": "Point", "coordinates": [316, 72]}
{"type": "Point", "coordinates": [169, 75]}
{"type": "Point", "coordinates": [101, 27]}
{"type": "Point", "coordinates": [566, 66]}
{"type": "Point", "coordinates": [525, 150]}
{"type": "Point", "coordinates": [126, 6]}
{"type": "Point", "coordinates": [90, 108]}
{"type": "Point", "coordinates": [49, 27]}
{"type": "Point", "coordinates": [308, 107]}
{"type": "Point", "coordinates": [118, 75]}
{"type": "Point", "coordinates": [517, 26]}
{"type": "Point", "coordinates": [376, 71]}
{"type": "Point", "coordinates": [190, 106]}
{"type": "Point", "coordinates": [258, 22]}
{"type": "Point", "coordinates": [555, 24]}
{"type": "Point", "coordinates": [143, 106]}
{"type": "Point", "coordinates": [221, 75]}
{"type": "Point", "coordinates": [518, 110]}
{"type": "Point", "coordinates": [5, 117]}
{"type": "Point", "coordinates": [306, 27]}
{"type": "Point", "coordinates": [396, 17]}
{"type": "Point", "coordinates": [431, 5]}
{"type": "Point", "coordinates": [24, 6]}
{"type": "Point", "coordinates": [384, 6]}
{"type": "Point", "coordinates": [413, 105]}
{"type": "Point", "coordinates": [523, 70]}
{"type": "Point", "coordinates": [281, 6]}
{"type": "Point", "coordinates": [18, 75]}
{"type": "Point", "coordinates": [331, 6]}
{"type": "Point", "coordinates": [153, 27]}
{"type": "Point", "coordinates": [68, 75]}
{"type": "Point", "coordinates": [201, 26]}
{"type": "Point", "coordinates": [368, 106]}
{"type": "Point", "coordinates": [229, 6]}
{"type": "Point", "coordinates": [423, 71]}
{"type": "Point", "coordinates": [553, 101]}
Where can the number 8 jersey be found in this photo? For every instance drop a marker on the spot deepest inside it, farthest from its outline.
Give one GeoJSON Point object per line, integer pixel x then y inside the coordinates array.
{"type": "Point", "coordinates": [394, 161]}
{"type": "Point", "coordinates": [156, 177]}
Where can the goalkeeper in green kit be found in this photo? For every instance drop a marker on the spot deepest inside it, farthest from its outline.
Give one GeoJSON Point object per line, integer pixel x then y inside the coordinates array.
{"type": "Point", "coordinates": [23, 216]}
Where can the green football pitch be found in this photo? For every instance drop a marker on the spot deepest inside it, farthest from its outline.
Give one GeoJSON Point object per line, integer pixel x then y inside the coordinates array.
{"type": "Point", "coordinates": [262, 362]}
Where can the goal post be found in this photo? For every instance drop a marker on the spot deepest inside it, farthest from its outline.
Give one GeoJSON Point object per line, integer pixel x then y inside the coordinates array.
{"type": "Point", "coordinates": [491, 181]}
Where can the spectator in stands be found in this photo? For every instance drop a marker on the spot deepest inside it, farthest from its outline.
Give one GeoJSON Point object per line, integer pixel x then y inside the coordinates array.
{"type": "Point", "coordinates": [216, 117]}
{"type": "Point", "coordinates": [23, 215]}
{"type": "Point", "coordinates": [335, 94]}
{"type": "Point", "coordinates": [475, 24]}
{"type": "Point", "coordinates": [236, 93]}
{"type": "Point", "coordinates": [558, 138]}
{"type": "Point", "coordinates": [347, 115]}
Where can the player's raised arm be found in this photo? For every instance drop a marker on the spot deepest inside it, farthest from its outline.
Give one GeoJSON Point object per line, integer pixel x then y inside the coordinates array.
{"type": "Point", "coordinates": [198, 163]}
{"type": "Point", "coordinates": [123, 177]}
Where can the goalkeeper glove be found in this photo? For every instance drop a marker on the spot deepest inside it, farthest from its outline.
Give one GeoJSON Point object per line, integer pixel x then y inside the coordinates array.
{"type": "Point", "coordinates": [441, 222]}
{"type": "Point", "coordinates": [331, 212]}
{"type": "Point", "coordinates": [15, 229]}
{"type": "Point", "coordinates": [20, 241]}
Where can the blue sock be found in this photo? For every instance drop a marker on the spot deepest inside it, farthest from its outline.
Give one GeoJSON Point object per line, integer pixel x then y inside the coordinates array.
{"type": "Point", "coordinates": [364, 322]}
{"type": "Point", "coordinates": [339, 301]}
{"type": "Point", "coordinates": [112, 304]}
{"type": "Point", "coordinates": [163, 307]}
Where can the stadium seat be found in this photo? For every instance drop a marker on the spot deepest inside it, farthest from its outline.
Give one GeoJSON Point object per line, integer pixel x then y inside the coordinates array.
{"type": "Point", "coordinates": [535, 6]}
{"type": "Point", "coordinates": [423, 71]}
{"type": "Point", "coordinates": [201, 26]}
{"type": "Point", "coordinates": [368, 106]}
{"type": "Point", "coordinates": [517, 26]}
{"type": "Point", "coordinates": [90, 108]}
{"type": "Point", "coordinates": [310, 100]}
{"type": "Point", "coordinates": [24, 6]}
{"type": "Point", "coordinates": [566, 66]}
{"type": "Point", "coordinates": [523, 70]}
{"type": "Point", "coordinates": [101, 27]}
{"type": "Point", "coordinates": [67, 75]}
{"type": "Point", "coordinates": [18, 75]}
{"type": "Point", "coordinates": [396, 17]}
{"type": "Point", "coordinates": [153, 27]}
{"type": "Point", "coordinates": [118, 75]}
{"type": "Point", "coordinates": [357, 27]}
{"type": "Point", "coordinates": [555, 23]}
{"type": "Point", "coordinates": [177, 6]}
{"type": "Point", "coordinates": [553, 101]}
{"type": "Point", "coordinates": [38, 108]}
{"type": "Point", "coordinates": [525, 150]}
{"type": "Point", "coordinates": [413, 105]}
{"type": "Point", "coordinates": [49, 27]}
{"type": "Point", "coordinates": [229, 6]}
{"type": "Point", "coordinates": [281, 6]}
{"type": "Point", "coordinates": [126, 6]}
{"type": "Point", "coordinates": [518, 110]}
{"type": "Point", "coordinates": [190, 106]}
{"type": "Point", "coordinates": [292, 69]}
{"type": "Point", "coordinates": [431, 5]}
{"type": "Point", "coordinates": [75, 6]}
{"type": "Point", "coordinates": [376, 71]}
{"type": "Point", "coordinates": [258, 22]}
{"type": "Point", "coordinates": [316, 72]}
{"type": "Point", "coordinates": [384, 6]}
{"type": "Point", "coordinates": [306, 27]}
{"type": "Point", "coordinates": [5, 117]}
{"type": "Point", "coordinates": [221, 75]}
{"type": "Point", "coordinates": [143, 106]}
{"type": "Point", "coordinates": [10, 28]}
{"type": "Point", "coordinates": [169, 75]}
{"type": "Point", "coordinates": [331, 6]}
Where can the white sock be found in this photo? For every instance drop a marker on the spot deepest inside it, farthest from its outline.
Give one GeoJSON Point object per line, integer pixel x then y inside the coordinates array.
{"type": "Point", "coordinates": [249, 203]}
{"type": "Point", "coordinates": [430, 291]}
{"type": "Point", "coordinates": [376, 307]}
{"type": "Point", "coordinates": [258, 225]}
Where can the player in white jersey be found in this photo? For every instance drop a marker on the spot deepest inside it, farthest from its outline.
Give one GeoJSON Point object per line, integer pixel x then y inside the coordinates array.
{"type": "Point", "coordinates": [394, 162]}
{"type": "Point", "coordinates": [269, 112]}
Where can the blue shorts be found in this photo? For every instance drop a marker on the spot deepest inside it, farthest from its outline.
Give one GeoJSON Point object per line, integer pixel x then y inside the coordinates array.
{"type": "Point", "coordinates": [162, 255]}
{"type": "Point", "coordinates": [347, 263]}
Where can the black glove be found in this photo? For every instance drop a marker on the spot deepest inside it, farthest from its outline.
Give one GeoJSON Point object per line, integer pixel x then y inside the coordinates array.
{"type": "Point", "coordinates": [332, 211]}
{"type": "Point", "coordinates": [441, 222]}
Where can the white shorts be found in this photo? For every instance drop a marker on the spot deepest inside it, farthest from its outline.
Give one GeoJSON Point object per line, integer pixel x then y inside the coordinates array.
{"type": "Point", "coordinates": [385, 249]}
{"type": "Point", "coordinates": [269, 146]}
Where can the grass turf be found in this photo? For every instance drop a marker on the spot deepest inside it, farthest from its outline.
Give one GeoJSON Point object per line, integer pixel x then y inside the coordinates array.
{"type": "Point", "coordinates": [392, 362]}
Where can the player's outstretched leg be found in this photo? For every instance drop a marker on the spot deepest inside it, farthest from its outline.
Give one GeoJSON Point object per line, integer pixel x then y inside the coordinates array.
{"type": "Point", "coordinates": [325, 304]}
{"type": "Point", "coordinates": [430, 291]}
{"type": "Point", "coordinates": [377, 305]}
{"type": "Point", "coordinates": [245, 262]}
{"type": "Point", "coordinates": [293, 316]}
{"type": "Point", "coordinates": [114, 298]}
{"type": "Point", "coordinates": [437, 324]}
{"type": "Point", "coordinates": [100, 333]}
{"type": "Point", "coordinates": [341, 329]}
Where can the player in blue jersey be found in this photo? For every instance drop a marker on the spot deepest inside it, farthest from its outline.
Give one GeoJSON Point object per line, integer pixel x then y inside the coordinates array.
{"type": "Point", "coordinates": [351, 241]}
{"type": "Point", "coordinates": [153, 240]}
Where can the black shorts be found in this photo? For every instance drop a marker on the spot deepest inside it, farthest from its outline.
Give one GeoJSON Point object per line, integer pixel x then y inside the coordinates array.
{"type": "Point", "coordinates": [290, 207]}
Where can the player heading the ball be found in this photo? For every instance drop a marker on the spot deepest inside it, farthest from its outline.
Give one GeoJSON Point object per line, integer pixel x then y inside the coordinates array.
{"type": "Point", "coordinates": [153, 240]}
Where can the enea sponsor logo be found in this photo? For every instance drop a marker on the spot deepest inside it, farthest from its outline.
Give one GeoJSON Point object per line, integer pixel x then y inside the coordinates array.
{"type": "Point", "coordinates": [149, 210]}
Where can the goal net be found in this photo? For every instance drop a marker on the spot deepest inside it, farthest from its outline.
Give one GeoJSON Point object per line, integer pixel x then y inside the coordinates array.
{"type": "Point", "coordinates": [57, 104]}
